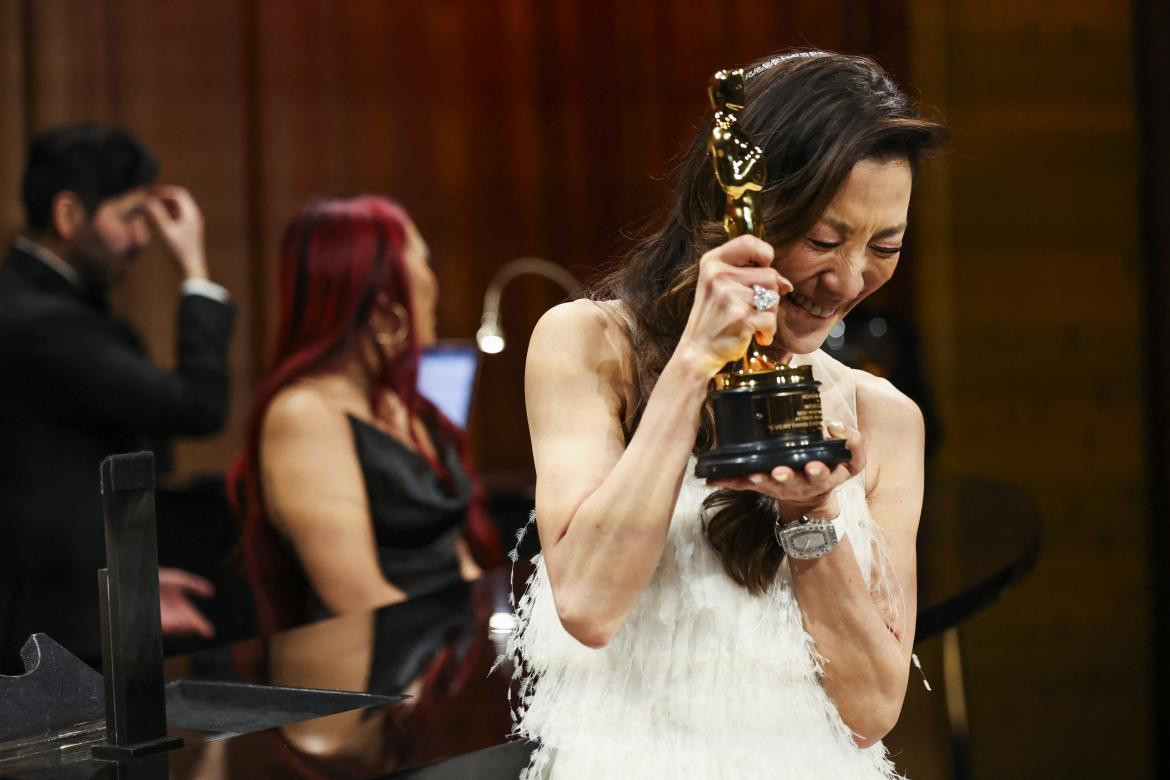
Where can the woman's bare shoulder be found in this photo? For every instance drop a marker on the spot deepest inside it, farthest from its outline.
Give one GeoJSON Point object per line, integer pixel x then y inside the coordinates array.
{"type": "Point", "coordinates": [585, 343]}
{"type": "Point", "coordinates": [592, 333]}
{"type": "Point", "coordinates": [893, 428]}
{"type": "Point", "coordinates": [882, 406]}
{"type": "Point", "coordinates": [305, 407]}
{"type": "Point", "coordinates": [306, 453]}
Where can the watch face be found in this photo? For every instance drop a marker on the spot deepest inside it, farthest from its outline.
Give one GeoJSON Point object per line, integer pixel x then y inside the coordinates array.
{"type": "Point", "coordinates": [808, 541]}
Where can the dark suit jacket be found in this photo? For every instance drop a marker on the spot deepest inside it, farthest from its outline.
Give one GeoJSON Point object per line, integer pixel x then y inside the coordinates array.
{"type": "Point", "coordinates": [74, 388]}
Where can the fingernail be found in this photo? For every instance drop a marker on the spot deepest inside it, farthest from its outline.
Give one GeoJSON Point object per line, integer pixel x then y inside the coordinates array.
{"type": "Point", "coordinates": [782, 477]}
{"type": "Point", "coordinates": [756, 479]}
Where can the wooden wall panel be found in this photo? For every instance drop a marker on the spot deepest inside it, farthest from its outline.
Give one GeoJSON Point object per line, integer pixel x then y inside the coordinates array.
{"type": "Point", "coordinates": [1029, 300]}
{"type": "Point", "coordinates": [69, 76]}
{"type": "Point", "coordinates": [13, 73]}
{"type": "Point", "coordinates": [175, 80]}
{"type": "Point", "coordinates": [508, 128]}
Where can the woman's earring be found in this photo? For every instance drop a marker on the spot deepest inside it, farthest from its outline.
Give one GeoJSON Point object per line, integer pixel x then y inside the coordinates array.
{"type": "Point", "coordinates": [391, 340]}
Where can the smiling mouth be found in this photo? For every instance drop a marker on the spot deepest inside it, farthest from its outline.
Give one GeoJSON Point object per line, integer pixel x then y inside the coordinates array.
{"type": "Point", "coordinates": [807, 304]}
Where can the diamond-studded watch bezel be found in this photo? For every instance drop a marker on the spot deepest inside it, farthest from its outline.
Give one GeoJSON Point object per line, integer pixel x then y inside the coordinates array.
{"type": "Point", "coordinates": [821, 531]}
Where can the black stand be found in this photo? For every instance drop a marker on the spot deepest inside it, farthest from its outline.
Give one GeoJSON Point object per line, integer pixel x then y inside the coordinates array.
{"type": "Point", "coordinates": [57, 694]}
{"type": "Point", "coordinates": [136, 715]}
{"type": "Point", "coordinates": [764, 423]}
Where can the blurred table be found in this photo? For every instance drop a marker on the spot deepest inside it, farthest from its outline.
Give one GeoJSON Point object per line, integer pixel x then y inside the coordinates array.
{"type": "Point", "coordinates": [976, 539]}
{"type": "Point", "coordinates": [441, 649]}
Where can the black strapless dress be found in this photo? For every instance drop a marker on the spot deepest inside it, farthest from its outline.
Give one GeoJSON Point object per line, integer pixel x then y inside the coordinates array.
{"type": "Point", "coordinates": [417, 516]}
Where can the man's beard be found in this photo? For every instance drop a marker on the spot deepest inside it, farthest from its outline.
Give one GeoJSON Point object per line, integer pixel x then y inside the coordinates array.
{"type": "Point", "coordinates": [99, 271]}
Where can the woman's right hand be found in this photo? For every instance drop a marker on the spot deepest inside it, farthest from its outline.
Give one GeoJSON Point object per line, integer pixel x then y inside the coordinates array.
{"type": "Point", "coordinates": [724, 318]}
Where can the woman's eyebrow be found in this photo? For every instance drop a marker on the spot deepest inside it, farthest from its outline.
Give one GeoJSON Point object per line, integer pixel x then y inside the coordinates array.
{"type": "Point", "coordinates": [890, 231]}
{"type": "Point", "coordinates": [846, 230]}
{"type": "Point", "coordinates": [838, 225]}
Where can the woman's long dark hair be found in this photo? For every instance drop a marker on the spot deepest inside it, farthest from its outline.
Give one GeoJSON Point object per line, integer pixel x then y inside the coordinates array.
{"type": "Point", "coordinates": [816, 115]}
{"type": "Point", "coordinates": [336, 257]}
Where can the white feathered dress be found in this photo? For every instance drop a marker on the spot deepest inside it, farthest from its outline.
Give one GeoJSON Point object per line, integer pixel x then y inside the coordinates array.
{"type": "Point", "coordinates": [703, 680]}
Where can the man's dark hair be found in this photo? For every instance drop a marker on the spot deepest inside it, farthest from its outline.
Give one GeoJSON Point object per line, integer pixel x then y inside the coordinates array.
{"type": "Point", "coordinates": [94, 162]}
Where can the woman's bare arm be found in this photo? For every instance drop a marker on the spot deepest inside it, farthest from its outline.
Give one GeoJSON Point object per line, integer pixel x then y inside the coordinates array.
{"type": "Point", "coordinates": [316, 497]}
{"type": "Point", "coordinates": [603, 507]}
{"type": "Point", "coordinates": [866, 642]}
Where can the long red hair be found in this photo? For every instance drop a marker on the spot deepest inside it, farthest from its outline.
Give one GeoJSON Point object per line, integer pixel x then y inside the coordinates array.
{"type": "Point", "coordinates": [336, 257]}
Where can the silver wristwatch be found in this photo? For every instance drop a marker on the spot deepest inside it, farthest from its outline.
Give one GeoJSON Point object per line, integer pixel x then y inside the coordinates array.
{"type": "Point", "coordinates": [809, 537]}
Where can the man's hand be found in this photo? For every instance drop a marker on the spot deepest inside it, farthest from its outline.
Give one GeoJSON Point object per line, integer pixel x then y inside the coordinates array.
{"type": "Point", "coordinates": [179, 615]}
{"type": "Point", "coordinates": [179, 223]}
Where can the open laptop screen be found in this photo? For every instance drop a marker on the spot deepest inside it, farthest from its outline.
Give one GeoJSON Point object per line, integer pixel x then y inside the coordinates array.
{"type": "Point", "coordinates": [446, 375]}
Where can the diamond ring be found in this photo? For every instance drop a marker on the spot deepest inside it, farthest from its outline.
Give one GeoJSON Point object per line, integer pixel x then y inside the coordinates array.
{"type": "Point", "coordinates": [763, 298]}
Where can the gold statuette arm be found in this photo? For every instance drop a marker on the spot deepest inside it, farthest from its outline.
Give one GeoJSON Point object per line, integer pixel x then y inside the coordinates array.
{"type": "Point", "coordinates": [740, 171]}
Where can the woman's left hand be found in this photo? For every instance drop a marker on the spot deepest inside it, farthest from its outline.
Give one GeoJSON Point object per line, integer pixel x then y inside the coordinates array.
{"type": "Point", "coordinates": [811, 491]}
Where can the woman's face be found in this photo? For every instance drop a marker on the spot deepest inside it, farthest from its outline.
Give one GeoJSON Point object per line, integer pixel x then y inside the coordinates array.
{"type": "Point", "coordinates": [424, 287]}
{"type": "Point", "coordinates": [850, 252]}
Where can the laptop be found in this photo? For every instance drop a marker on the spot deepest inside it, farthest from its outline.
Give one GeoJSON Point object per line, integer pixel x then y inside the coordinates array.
{"type": "Point", "coordinates": [447, 375]}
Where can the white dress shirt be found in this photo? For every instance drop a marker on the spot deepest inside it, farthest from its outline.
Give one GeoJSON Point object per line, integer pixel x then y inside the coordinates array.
{"type": "Point", "coordinates": [204, 287]}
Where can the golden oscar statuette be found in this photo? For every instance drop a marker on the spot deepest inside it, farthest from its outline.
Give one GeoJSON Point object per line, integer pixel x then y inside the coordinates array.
{"type": "Point", "coordinates": [766, 414]}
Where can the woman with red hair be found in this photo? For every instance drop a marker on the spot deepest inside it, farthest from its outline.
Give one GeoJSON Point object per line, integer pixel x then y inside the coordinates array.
{"type": "Point", "coordinates": [355, 491]}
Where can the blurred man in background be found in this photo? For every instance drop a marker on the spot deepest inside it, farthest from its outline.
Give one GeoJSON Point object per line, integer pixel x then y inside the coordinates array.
{"type": "Point", "coordinates": [76, 384]}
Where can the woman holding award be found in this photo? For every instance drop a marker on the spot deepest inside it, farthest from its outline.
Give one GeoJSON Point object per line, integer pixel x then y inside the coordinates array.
{"type": "Point", "coordinates": [759, 624]}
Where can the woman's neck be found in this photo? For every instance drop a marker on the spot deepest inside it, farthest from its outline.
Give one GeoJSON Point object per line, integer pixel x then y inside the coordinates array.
{"type": "Point", "coordinates": [356, 370]}
{"type": "Point", "coordinates": [387, 409]}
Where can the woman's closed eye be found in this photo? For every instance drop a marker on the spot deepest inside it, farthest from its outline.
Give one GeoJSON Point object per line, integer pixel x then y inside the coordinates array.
{"type": "Point", "coordinates": [826, 246]}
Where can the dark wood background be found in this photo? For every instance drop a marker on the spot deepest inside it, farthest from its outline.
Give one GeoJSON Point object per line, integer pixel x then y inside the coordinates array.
{"type": "Point", "coordinates": [506, 128]}
{"type": "Point", "coordinates": [525, 127]}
